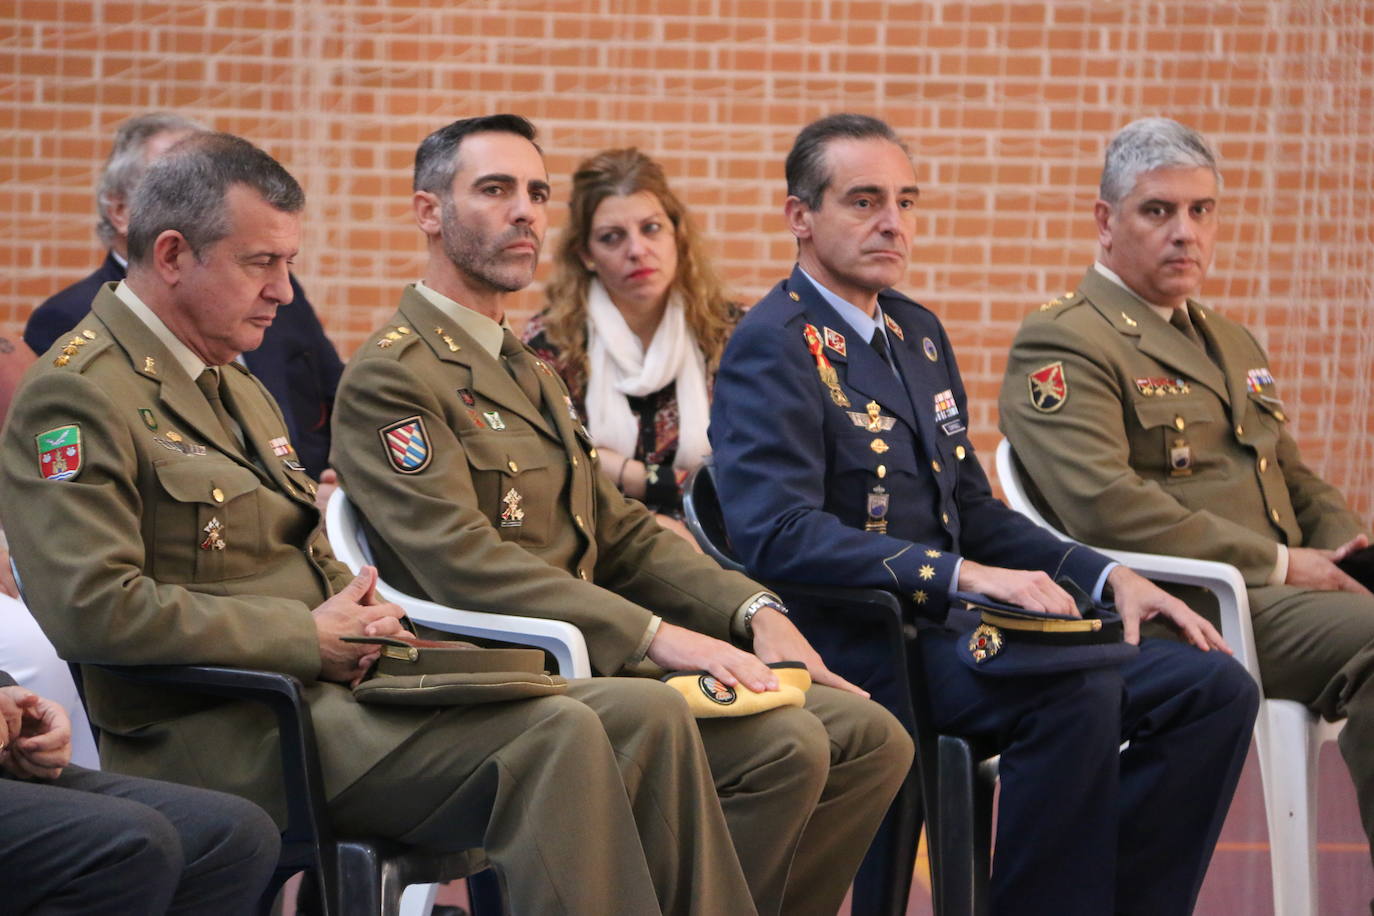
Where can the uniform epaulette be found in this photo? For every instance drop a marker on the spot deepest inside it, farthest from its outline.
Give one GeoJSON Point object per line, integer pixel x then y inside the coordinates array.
{"type": "Point", "coordinates": [392, 336]}
{"type": "Point", "coordinates": [1066, 299]}
{"type": "Point", "coordinates": [78, 348]}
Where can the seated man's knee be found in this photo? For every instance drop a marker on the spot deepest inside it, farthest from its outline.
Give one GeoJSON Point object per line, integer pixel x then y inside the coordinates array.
{"type": "Point", "coordinates": [861, 728]}
{"type": "Point", "coordinates": [798, 738]}
{"type": "Point", "coordinates": [649, 708]}
{"type": "Point", "coordinates": [249, 833]}
{"type": "Point", "coordinates": [147, 844]}
{"type": "Point", "coordinates": [1226, 683]}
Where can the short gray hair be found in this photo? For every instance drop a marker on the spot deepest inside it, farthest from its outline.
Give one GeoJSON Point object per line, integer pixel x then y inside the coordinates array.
{"type": "Point", "coordinates": [808, 174]}
{"type": "Point", "coordinates": [127, 162]}
{"type": "Point", "coordinates": [1149, 144]}
{"type": "Point", "coordinates": [185, 191]}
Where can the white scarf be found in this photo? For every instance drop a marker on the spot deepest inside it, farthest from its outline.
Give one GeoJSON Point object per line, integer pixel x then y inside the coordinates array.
{"type": "Point", "coordinates": [617, 365]}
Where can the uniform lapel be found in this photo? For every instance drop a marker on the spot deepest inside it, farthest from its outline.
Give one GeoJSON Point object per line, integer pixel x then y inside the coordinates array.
{"type": "Point", "coordinates": [258, 430]}
{"type": "Point", "coordinates": [925, 376]}
{"type": "Point", "coordinates": [178, 394]}
{"type": "Point", "coordinates": [1235, 382]}
{"type": "Point", "coordinates": [1156, 337]}
{"type": "Point", "coordinates": [488, 375]}
{"type": "Point", "coordinates": [859, 367]}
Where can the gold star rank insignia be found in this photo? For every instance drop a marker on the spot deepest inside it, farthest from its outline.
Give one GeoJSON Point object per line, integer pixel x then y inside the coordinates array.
{"type": "Point", "coordinates": [932, 553]}
{"type": "Point", "coordinates": [927, 572]}
{"type": "Point", "coordinates": [919, 596]}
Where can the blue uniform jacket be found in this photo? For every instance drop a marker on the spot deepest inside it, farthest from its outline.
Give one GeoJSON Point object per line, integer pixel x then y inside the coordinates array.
{"type": "Point", "coordinates": [800, 475]}
{"type": "Point", "coordinates": [296, 361]}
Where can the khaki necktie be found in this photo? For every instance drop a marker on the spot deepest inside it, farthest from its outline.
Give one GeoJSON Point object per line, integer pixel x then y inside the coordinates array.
{"type": "Point", "coordinates": [209, 383]}
{"type": "Point", "coordinates": [520, 364]}
{"type": "Point", "coordinates": [1180, 319]}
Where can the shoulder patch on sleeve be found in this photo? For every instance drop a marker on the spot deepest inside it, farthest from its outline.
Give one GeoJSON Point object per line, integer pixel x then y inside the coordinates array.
{"type": "Point", "coordinates": [407, 445]}
{"type": "Point", "coordinates": [1049, 388]}
{"type": "Point", "coordinates": [59, 452]}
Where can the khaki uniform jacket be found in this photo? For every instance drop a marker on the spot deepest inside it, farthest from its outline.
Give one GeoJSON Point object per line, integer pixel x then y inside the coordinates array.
{"type": "Point", "coordinates": [1152, 444]}
{"type": "Point", "coordinates": [119, 565]}
{"type": "Point", "coordinates": [503, 506]}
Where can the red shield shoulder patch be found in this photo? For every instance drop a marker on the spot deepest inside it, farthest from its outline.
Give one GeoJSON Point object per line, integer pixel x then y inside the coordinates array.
{"type": "Point", "coordinates": [407, 445]}
{"type": "Point", "coordinates": [1048, 388]}
{"type": "Point", "coordinates": [59, 452]}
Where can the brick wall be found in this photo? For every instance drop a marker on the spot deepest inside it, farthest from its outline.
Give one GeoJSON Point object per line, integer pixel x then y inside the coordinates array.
{"type": "Point", "coordinates": [1007, 106]}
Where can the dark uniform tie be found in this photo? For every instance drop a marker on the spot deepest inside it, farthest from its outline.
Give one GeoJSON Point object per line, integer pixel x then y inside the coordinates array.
{"type": "Point", "coordinates": [879, 342]}
{"type": "Point", "coordinates": [209, 383]}
{"type": "Point", "coordinates": [520, 364]}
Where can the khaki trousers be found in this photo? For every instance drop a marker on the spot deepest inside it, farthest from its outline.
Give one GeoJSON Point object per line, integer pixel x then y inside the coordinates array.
{"type": "Point", "coordinates": [604, 800]}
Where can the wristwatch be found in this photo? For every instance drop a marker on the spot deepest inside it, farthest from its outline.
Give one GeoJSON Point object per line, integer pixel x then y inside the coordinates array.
{"type": "Point", "coordinates": [758, 604]}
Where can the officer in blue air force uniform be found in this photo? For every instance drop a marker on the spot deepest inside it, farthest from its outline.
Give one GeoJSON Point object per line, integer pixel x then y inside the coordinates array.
{"type": "Point", "coordinates": [839, 429]}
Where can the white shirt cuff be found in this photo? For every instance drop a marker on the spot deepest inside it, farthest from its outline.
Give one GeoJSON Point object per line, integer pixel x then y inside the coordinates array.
{"type": "Point", "coordinates": [1279, 574]}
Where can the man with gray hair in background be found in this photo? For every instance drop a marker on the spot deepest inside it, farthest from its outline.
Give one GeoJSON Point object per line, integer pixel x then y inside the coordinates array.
{"type": "Point", "coordinates": [1149, 422]}
{"type": "Point", "coordinates": [296, 361]}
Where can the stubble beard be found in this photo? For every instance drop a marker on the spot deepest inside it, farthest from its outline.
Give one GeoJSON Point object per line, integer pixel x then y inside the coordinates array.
{"type": "Point", "coordinates": [482, 260]}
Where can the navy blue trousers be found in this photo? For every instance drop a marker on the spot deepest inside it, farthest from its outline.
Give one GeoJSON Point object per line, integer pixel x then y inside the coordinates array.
{"type": "Point", "coordinates": [1083, 827]}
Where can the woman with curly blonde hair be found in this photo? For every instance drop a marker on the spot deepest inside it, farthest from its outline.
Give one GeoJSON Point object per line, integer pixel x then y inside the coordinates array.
{"type": "Point", "coordinates": [635, 324]}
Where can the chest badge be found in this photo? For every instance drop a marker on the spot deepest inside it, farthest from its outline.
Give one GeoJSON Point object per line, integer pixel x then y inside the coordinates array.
{"type": "Point", "coordinates": [1048, 388]}
{"type": "Point", "coordinates": [214, 535]}
{"type": "Point", "coordinates": [835, 341]}
{"type": "Point", "coordinates": [1159, 387]}
{"type": "Point", "coordinates": [148, 418]}
{"type": "Point", "coordinates": [406, 445]}
{"type": "Point", "coordinates": [1180, 458]}
{"type": "Point", "coordinates": [945, 407]}
{"type": "Point", "coordinates": [1257, 379]}
{"type": "Point", "coordinates": [928, 347]}
{"type": "Point", "coordinates": [878, 501]}
{"type": "Point", "coordinates": [512, 516]}
{"type": "Point", "coordinates": [873, 420]}
{"type": "Point", "coordinates": [494, 420]}
{"type": "Point", "coordinates": [827, 373]}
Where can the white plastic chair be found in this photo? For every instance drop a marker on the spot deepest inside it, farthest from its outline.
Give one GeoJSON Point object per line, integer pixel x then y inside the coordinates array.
{"type": "Point", "coordinates": [559, 638]}
{"type": "Point", "coordinates": [1287, 736]}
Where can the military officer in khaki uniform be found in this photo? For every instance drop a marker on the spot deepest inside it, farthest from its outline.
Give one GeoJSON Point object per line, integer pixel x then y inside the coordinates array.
{"type": "Point", "coordinates": [159, 514]}
{"type": "Point", "coordinates": [481, 488]}
{"type": "Point", "coordinates": [1149, 422]}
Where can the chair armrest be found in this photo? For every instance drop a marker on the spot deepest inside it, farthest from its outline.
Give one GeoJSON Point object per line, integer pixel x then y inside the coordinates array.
{"type": "Point", "coordinates": [876, 604]}
{"type": "Point", "coordinates": [562, 640]}
{"type": "Point", "coordinates": [1222, 579]}
{"type": "Point", "coordinates": [307, 819]}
